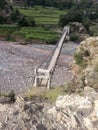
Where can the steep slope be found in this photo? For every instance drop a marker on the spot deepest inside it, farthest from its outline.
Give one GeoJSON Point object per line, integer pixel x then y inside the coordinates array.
{"type": "Point", "coordinates": [85, 67]}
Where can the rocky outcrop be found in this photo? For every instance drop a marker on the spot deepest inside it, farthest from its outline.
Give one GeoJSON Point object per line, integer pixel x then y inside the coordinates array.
{"type": "Point", "coordinates": [77, 27]}
{"type": "Point", "coordinates": [85, 67]}
{"type": "Point", "coordinates": [22, 115]}
{"type": "Point", "coordinates": [79, 30]}
{"type": "Point", "coordinates": [75, 112]}
{"type": "Point", "coordinates": [70, 112]}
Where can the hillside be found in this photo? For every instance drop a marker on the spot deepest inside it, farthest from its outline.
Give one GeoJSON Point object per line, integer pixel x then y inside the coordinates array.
{"type": "Point", "coordinates": [85, 67]}
{"type": "Point", "coordinates": [72, 111]}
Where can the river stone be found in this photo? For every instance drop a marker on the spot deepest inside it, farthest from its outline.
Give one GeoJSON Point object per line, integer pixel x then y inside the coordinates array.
{"type": "Point", "coordinates": [3, 108]}
{"type": "Point", "coordinates": [52, 111]}
{"type": "Point", "coordinates": [96, 107]}
{"type": "Point", "coordinates": [88, 124]}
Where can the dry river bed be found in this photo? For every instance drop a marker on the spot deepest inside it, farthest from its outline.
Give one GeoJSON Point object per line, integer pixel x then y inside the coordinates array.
{"type": "Point", "coordinates": [17, 63]}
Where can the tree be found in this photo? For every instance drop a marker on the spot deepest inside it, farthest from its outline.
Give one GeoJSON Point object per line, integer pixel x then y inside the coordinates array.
{"type": "Point", "coordinates": [2, 19]}
{"type": "Point", "coordinates": [71, 16]}
{"type": "Point", "coordinates": [3, 3]}
{"type": "Point", "coordinates": [25, 22]}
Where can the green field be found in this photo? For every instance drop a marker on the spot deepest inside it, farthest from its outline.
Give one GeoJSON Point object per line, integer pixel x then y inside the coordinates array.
{"type": "Point", "coordinates": [7, 30]}
{"type": "Point", "coordinates": [10, 32]}
{"type": "Point", "coordinates": [48, 16]}
{"type": "Point", "coordinates": [43, 16]}
{"type": "Point", "coordinates": [39, 34]}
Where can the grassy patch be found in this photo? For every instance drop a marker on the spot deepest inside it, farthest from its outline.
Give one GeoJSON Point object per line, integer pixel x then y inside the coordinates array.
{"type": "Point", "coordinates": [96, 65]}
{"type": "Point", "coordinates": [94, 30]}
{"type": "Point", "coordinates": [8, 97]}
{"type": "Point", "coordinates": [50, 95]}
{"type": "Point", "coordinates": [81, 57]}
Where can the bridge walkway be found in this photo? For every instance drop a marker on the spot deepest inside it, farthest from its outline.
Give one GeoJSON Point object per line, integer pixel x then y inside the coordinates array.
{"type": "Point", "coordinates": [43, 76]}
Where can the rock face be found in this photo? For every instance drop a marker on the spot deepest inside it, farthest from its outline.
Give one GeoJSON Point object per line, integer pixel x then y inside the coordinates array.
{"type": "Point", "coordinates": [21, 115]}
{"type": "Point", "coordinates": [70, 112]}
{"type": "Point", "coordinates": [77, 27]}
{"type": "Point", "coordinates": [74, 112]}
{"type": "Point", "coordinates": [86, 62]}
{"type": "Point", "coordinates": [79, 30]}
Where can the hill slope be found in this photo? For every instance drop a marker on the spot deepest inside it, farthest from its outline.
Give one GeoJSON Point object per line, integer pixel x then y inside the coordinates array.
{"type": "Point", "coordinates": [85, 68]}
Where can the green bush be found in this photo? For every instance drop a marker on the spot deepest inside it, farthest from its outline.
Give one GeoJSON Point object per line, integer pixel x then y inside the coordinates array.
{"type": "Point", "coordinates": [73, 37]}
{"type": "Point", "coordinates": [15, 15]}
{"type": "Point", "coordinates": [71, 16]}
{"type": "Point", "coordinates": [86, 22]}
{"type": "Point", "coordinates": [11, 95]}
{"type": "Point", "coordinates": [2, 19]}
{"type": "Point", "coordinates": [25, 22]}
{"type": "Point", "coordinates": [3, 3]}
{"type": "Point", "coordinates": [79, 57]}
{"type": "Point", "coordinates": [94, 30]}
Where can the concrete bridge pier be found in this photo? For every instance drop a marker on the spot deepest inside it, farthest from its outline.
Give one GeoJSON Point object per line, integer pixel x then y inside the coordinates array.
{"type": "Point", "coordinates": [44, 78]}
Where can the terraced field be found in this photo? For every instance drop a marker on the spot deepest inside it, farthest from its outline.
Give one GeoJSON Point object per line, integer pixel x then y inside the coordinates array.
{"type": "Point", "coordinates": [40, 34]}
{"type": "Point", "coordinates": [46, 20]}
{"type": "Point", "coordinates": [6, 30]}
{"type": "Point", "coordinates": [43, 16]}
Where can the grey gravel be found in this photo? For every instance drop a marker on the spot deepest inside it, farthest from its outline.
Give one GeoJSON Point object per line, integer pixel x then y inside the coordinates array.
{"type": "Point", "coordinates": [17, 63]}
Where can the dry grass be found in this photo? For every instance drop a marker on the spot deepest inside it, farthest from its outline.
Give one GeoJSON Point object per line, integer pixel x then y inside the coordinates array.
{"type": "Point", "coordinates": [50, 95]}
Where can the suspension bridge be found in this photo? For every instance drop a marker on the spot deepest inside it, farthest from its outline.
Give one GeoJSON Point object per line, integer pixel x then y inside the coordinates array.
{"type": "Point", "coordinates": [43, 75]}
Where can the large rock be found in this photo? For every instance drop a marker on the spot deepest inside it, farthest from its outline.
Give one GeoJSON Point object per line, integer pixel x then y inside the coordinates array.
{"type": "Point", "coordinates": [77, 27]}
{"type": "Point", "coordinates": [73, 101]}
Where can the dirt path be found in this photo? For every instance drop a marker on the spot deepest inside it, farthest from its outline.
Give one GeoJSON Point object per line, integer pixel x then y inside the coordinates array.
{"type": "Point", "coordinates": [17, 63]}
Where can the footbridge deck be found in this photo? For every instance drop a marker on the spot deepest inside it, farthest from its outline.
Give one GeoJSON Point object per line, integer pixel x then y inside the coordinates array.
{"type": "Point", "coordinates": [43, 76]}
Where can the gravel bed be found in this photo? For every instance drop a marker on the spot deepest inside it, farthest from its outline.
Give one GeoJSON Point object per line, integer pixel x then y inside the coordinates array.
{"type": "Point", "coordinates": [17, 63]}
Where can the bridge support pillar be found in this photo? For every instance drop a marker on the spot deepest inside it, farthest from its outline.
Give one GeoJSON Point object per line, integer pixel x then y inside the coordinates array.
{"type": "Point", "coordinates": [44, 75]}
{"type": "Point", "coordinates": [35, 80]}
{"type": "Point", "coordinates": [49, 81]}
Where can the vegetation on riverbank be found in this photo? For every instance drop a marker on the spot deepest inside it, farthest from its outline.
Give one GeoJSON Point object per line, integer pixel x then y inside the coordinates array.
{"type": "Point", "coordinates": [12, 32]}
{"type": "Point", "coordinates": [36, 23]}
{"type": "Point", "coordinates": [39, 34]}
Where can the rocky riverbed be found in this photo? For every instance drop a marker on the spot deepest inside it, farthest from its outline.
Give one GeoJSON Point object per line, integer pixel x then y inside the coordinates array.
{"type": "Point", "coordinates": [17, 63]}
